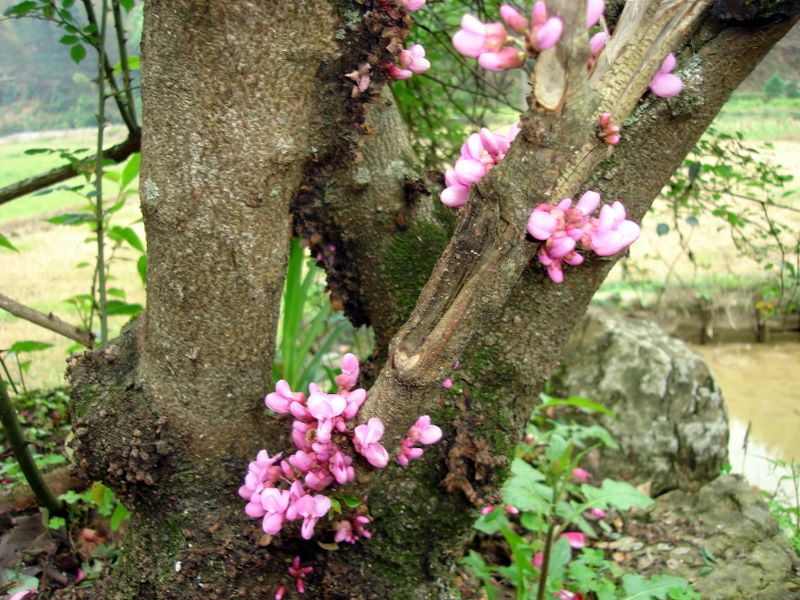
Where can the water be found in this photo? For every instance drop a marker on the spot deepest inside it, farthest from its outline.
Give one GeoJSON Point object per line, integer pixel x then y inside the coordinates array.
{"type": "Point", "coordinates": [761, 387]}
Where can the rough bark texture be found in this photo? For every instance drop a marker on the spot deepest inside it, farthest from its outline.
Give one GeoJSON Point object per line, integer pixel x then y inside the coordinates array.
{"type": "Point", "coordinates": [247, 111]}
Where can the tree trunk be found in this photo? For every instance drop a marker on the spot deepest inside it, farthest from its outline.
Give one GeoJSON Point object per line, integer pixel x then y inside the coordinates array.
{"type": "Point", "coordinates": [247, 114]}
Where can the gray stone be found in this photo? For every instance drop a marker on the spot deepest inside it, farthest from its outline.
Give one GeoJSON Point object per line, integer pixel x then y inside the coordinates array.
{"type": "Point", "coordinates": [670, 416]}
{"type": "Point", "coordinates": [735, 548]}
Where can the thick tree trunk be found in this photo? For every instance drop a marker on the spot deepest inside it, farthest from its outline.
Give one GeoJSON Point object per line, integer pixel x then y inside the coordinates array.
{"type": "Point", "coordinates": [247, 113]}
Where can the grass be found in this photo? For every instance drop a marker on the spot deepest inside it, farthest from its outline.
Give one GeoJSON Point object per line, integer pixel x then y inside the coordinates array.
{"type": "Point", "coordinates": [16, 165]}
{"type": "Point", "coordinates": [760, 119]}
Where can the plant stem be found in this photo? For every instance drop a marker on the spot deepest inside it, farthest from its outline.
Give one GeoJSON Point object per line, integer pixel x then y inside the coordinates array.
{"type": "Point", "coordinates": [98, 175]}
{"type": "Point", "coordinates": [10, 379]}
{"type": "Point", "coordinates": [548, 544]}
{"type": "Point", "coordinates": [22, 452]}
{"type": "Point", "coordinates": [119, 26]}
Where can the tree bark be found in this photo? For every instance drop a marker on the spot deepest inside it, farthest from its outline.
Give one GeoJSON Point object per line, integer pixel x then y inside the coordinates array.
{"type": "Point", "coordinates": [247, 113]}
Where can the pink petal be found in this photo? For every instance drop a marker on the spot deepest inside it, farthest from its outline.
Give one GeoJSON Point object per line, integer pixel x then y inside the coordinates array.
{"type": "Point", "coordinates": [455, 196]}
{"type": "Point", "coordinates": [469, 171]}
{"type": "Point", "coordinates": [507, 58]}
{"type": "Point", "coordinates": [513, 18]}
{"type": "Point", "coordinates": [272, 524]}
{"type": "Point", "coordinates": [575, 538]}
{"type": "Point", "coordinates": [594, 10]}
{"type": "Point", "coordinates": [666, 85]}
{"type": "Point", "coordinates": [541, 225]}
{"type": "Point", "coordinates": [468, 43]}
{"type": "Point", "coordinates": [561, 246]}
{"type": "Point", "coordinates": [588, 202]}
{"type": "Point", "coordinates": [669, 63]}
{"type": "Point", "coordinates": [538, 13]}
{"type": "Point", "coordinates": [555, 272]}
{"type": "Point", "coordinates": [549, 33]}
{"type": "Point", "coordinates": [597, 42]}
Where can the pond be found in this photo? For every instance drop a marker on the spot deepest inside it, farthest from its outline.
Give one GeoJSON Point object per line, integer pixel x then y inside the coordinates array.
{"type": "Point", "coordinates": [761, 387]}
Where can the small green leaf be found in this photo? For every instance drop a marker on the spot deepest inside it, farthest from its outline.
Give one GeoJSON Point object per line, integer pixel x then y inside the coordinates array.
{"type": "Point", "coordinates": [21, 9]}
{"type": "Point", "coordinates": [127, 5]}
{"type": "Point", "coordinates": [638, 588]}
{"type": "Point", "coordinates": [77, 53]}
{"type": "Point", "coordinates": [523, 490]}
{"type": "Point", "coordinates": [141, 266]}
{"type": "Point", "coordinates": [5, 243]}
{"type": "Point", "coordinates": [617, 494]}
{"type": "Point", "coordinates": [117, 307]}
{"type": "Point", "coordinates": [119, 516]}
{"type": "Point", "coordinates": [72, 219]}
{"type": "Point", "coordinates": [130, 171]}
{"type": "Point", "coordinates": [336, 508]}
{"type": "Point", "coordinates": [68, 40]}
{"type": "Point", "coordinates": [127, 234]}
{"type": "Point", "coordinates": [56, 522]}
{"type": "Point", "coordinates": [29, 346]}
{"type": "Point", "coordinates": [39, 151]}
{"type": "Point", "coordinates": [350, 501]}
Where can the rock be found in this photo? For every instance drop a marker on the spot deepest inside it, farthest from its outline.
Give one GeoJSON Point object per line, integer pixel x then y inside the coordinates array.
{"type": "Point", "coordinates": [671, 422]}
{"type": "Point", "coordinates": [727, 543]}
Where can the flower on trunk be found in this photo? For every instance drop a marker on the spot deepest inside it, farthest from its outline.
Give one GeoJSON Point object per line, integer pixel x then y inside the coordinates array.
{"type": "Point", "coordinates": [665, 84]}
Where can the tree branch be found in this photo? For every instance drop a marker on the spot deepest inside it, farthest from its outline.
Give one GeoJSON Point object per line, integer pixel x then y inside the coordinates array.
{"type": "Point", "coordinates": [48, 321]}
{"type": "Point", "coordinates": [117, 153]}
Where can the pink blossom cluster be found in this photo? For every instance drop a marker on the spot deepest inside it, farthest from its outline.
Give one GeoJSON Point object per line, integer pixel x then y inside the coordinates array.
{"type": "Point", "coordinates": [421, 432]}
{"type": "Point", "coordinates": [609, 132]}
{"type": "Point", "coordinates": [563, 227]}
{"type": "Point", "coordinates": [280, 490]}
{"type": "Point", "coordinates": [352, 530]}
{"type": "Point", "coordinates": [412, 60]}
{"type": "Point", "coordinates": [497, 50]}
{"type": "Point", "coordinates": [479, 154]}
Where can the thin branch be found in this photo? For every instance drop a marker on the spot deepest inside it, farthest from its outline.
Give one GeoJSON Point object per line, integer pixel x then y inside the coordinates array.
{"type": "Point", "coordinates": [125, 111]}
{"type": "Point", "coordinates": [116, 153]}
{"type": "Point", "coordinates": [98, 174]}
{"type": "Point", "coordinates": [48, 321]}
{"type": "Point", "coordinates": [16, 439]}
{"type": "Point", "coordinates": [119, 26]}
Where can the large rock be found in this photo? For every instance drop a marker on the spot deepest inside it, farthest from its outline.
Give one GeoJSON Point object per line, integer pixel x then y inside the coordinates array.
{"type": "Point", "coordinates": [723, 539]}
{"type": "Point", "coordinates": [671, 422]}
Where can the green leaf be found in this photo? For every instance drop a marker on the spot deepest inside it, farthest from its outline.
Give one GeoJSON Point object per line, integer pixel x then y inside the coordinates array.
{"type": "Point", "coordinates": [130, 171]}
{"type": "Point", "coordinates": [560, 555]}
{"type": "Point", "coordinates": [39, 151]}
{"type": "Point", "coordinates": [134, 62]}
{"type": "Point", "coordinates": [29, 346]}
{"type": "Point", "coordinates": [350, 501]}
{"type": "Point", "coordinates": [21, 9]}
{"type": "Point", "coordinates": [522, 489]}
{"type": "Point", "coordinates": [70, 497]}
{"type": "Point", "coordinates": [127, 234]}
{"type": "Point", "coordinates": [491, 523]}
{"type": "Point", "coordinates": [77, 53]}
{"type": "Point", "coordinates": [638, 588]}
{"type": "Point", "coordinates": [68, 40]}
{"type": "Point", "coordinates": [5, 243]}
{"type": "Point", "coordinates": [141, 266]}
{"type": "Point", "coordinates": [577, 402]}
{"type": "Point", "coordinates": [336, 508]}
{"type": "Point", "coordinates": [72, 219]}
{"type": "Point", "coordinates": [117, 307]}
{"type": "Point", "coordinates": [119, 516]}
{"type": "Point", "coordinates": [617, 494]}
{"type": "Point", "coordinates": [116, 292]}
{"type": "Point", "coordinates": [127, 5]}
{"type": "Point", "coordinates": [56, 522]}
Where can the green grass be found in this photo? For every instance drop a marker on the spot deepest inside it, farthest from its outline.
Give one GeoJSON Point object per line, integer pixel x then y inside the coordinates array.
{"type": "Point", "coordinates": [15, 165]}
{"type": "Point", "coordinates": [760, 120]}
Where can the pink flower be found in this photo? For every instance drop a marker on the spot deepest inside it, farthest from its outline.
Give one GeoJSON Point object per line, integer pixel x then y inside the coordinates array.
{"type": "Point", "coordinates": [447, 383]}
{"type": "Point", "coordinates": [665, 84]}
{"type": "Point", "coordinates": [514, 19]}
{"type": "Point", "coordinates": [609, 132]}
{"type": "Point", "coordinates": [545, 32]}
{"type": "Point", "coordinates": [594, 11]}
{"type": "Point", "coordinates": [275, 504]}
{"type": "Point", "coordinates": [366, 441]}
{"type": "Point", "coordinates": [280, 592]}
{"type": "Point", "coordinates": [414, 59]}
{"type": "Point", "coordinates": [613, 232]}
{"type": "Point", "coordinates": [580, 475]}
{"type": "Point", "coordinates": [397, 73]}
{"type": "Point", "coordinates": [421, 432]}
{"type": "Point", "coordinates": [567, 595]}
{"type": "Point", "coordinates": [596, 513]}
{"type": "Point", "coordinates": [351, 531]}
{"type": "Point", "coordinates": [349, 376]}
{"type": "Point", "coordinates": [503, 59]}
{"type": "Point", "coordinates": [575, 538]}
{"type": "Point", "coordinates": [538, 560]}
{"type": "Point", "coordinates": [340, 467]}
{"type": "Point", "coordinates": [354, 401]}
{"type": "Point", "coordinates": [300, 435]}
{"type": "Point", "coordinates": [311, 509]}
{"type": "Point", "coordinates": [487, 509]}
{"type": "Point", "coordinates": [512, 510]}
{"type": "Point", "coordinates": [470, 38]}
{"type": "Point", "coordinates": [411, 5]}
{"type": "Point", "coordinates": [21, 594]}
{"type": "Point", "coordinates": [280, 400]}
{"type": "Point", "coordinates": [299, 572]}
